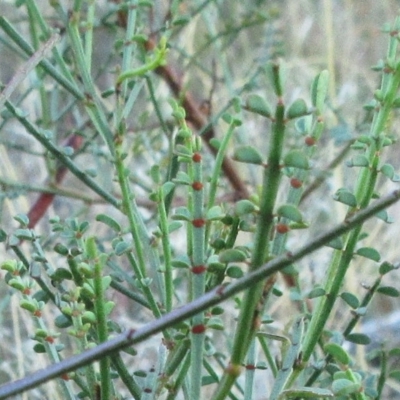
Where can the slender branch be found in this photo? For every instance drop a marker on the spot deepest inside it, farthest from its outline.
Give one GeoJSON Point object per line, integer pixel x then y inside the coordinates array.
{"type": "Point", "coordinates": [209, 299]}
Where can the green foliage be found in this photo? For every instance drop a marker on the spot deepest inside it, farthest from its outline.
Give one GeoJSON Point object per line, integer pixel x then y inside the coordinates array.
{"type": "Point", "coordinates": [180, 220]}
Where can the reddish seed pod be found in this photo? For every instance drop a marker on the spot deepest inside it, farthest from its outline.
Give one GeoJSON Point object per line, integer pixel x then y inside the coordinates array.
{"type": "Point", "coordinates": [282, 228]}
{"type": "Point", "coordinates": [196, 157]}
{"type": "Point", "coordinates": [250, 366]}
{"type": "Point", "coordinates": [64, 377]}
{"type": "Point", "coordinates": [197, 186]}
{"type": "Point", "coordinates": [199, 222]}
{"type": "Point", "coordinates": [199, 269]}
{"type": "Point", "coordinates": [49, 339]}
{"type": "Point", "coordinates": [197, 329]}
{"type": "Point", "coordinates": [37, 313]}
{"type": "Point", "coordinates": [296, 183]}
{"type": "Point", "coordinates": [309, 141]}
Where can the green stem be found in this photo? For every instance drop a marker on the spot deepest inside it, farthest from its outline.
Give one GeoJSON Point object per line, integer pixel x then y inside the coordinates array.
{"type": "Point", "coordinates": [166, 244]}
{"type": "Point", "coordinates": [60, 156]}
{"type": "Point", "coordinates": [248, 317]}
{"type": "Point", "coordinates": [126, 377]}
{"type": "Point", "coordinates": [198, 275]}
{"type": "Point", "coordinates": [101, 316]}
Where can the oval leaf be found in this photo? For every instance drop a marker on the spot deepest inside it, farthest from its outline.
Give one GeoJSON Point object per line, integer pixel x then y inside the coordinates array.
{"type": "Point", "coordinates": [370, 253]}
{"type": "Point", "coordinates": [388, 291]}
{"type": "Point", "coordinates": [386, 267]}
{"type": "Point", "coordinates": [388, 170]}
{"type": "Point", "coordinates": [359, 160]}
{"type": "Point", "coordinates": [296, 159]}
{"type": "Point", "coordinates": [109, 221]}
{"type": "Point", "coordinates": [243, 207]}
{"type": "Point", "coordinates": [343, 387]}
{"type": "Point", "coordinates": [358, 338]}
{"type": "Point", "coordinates": [234, 272]}
{"type": "Point", "coordinates": [258, 105]}
{"type": "Point", "coordinates": [316, 292]}
{"type": "Point", "coordinates": [346, 197]}
{"type": "Point", "coordinates": [337, 352]}
{"type": "Point", "coordinates": [336, 243]}
{"type": "Point", "coordinates": [290, 212]}
{"type": "Point", "coordinates": [297, 109]}
{"type": "Point", "coordinates": [248, 154]}
{"type": "Point", "coordinates": [350, 299]}
{"type": "Point", "coordinates": [231, 255]}
{"type": "Point", "coordinates": [319, 90]}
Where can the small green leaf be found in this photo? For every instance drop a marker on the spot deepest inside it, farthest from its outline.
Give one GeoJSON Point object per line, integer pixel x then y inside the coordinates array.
{"type": "Point", "coordinates": [217, 310]}
{"type": "Point", "coordinates": [350, 299]}
{"type": "Point", "coordinates": [243, 207]}
{"type": "Point", "coordinates": [215, 323]}
{"type": "Point", "coordinates": [61, 249]}
{"type": "Point", "coordinates": [337, 352]}
{"type": "Point", "coordinates": [89, 317]}
{"type": "Point", "coordinates": [24, 234]}
{"type": "Point", "coordinates": [343, 387]}
{"type": "Point", "coordinates": [63, 321]}
{"type": "Point", "coordinates": [181, 150]}
{"type": "Point", "coordinates": [297, 109]}
{"type": "Point", "coordinates": [167, 188]}
{"type": "Point", "coordinates": [304, 124]}
{"type": "Point", "coordinates": [358, 338]}
{"type": "Point", "coordinates": [60, 274]}
{"type": "Point", "coordinates": [106, 281]}
{"type": "Point", "coordinates": [316, 292]}
{"type": "Point", "coordinates": [370, 253]}
{"type": "Point", "coordinates": [290, 212]}
{"type": "Point", "coordinates": [39, 348]}
{"type": "Point", "coordinates": [319, 90]}
{"type": "Point", "coordinates": [122, 248]}
{"type": "Point", "coordinates": [346, 197]}
{"type": "Point", "coordinates": [174, 226]}
{"type": "Point", "coordinates": [395, 352]}
{"type": "Point", "coordinates": [388, 170]}
{"type": "Point", "coordinates": [108, 307]}
{"type": "Point", "coordinates": [262, 365]}
{"type": "Point", "coordinates": [22, 219]}
{"type": "Point", "coordinates": [3, 236]}
{"type": "Point", "coordinates": [182, 214]}
{"type": "Point", "coordinates": [359, 160]}
{"type": "Point", "coordinates": [155, 174]}
{"type": "Point", "coordinates": [29, 305]}
{"type": "Point", "coordinates": [296, 159]}
{"type": "Point", "coordinates": [235, 272]}
{"type": "Point", "coordinates": [182, 178]}
{"type": "Point", "coordinates": [395, 374]}
{"type": "Point", "coordinates": [215, 143]}
{"type": "Point", "coordinates": [388, 291]}
{"type": "Point", "coordinates": [386, 267]}
{"type": "Point", "coordinates": [336, 243]}
{"type": "Point", "coordinates": [214, 213]}
{"type": "Point", "coordinates": [231, 255]}
{"type": "Point", "coordinates": [258, 105]}
{"type": "Point", "coordinates": [248, 154]}
{"type": "Point", "coordinates": [384, 216]}
{"type": "Point", "coordinates": [182, 261]}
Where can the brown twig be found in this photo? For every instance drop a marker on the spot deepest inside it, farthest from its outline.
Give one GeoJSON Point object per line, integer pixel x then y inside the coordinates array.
{"type": "Point", "coordinates": [197, 119]}
{"type": "Point", "coordinates": [45, 200]}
